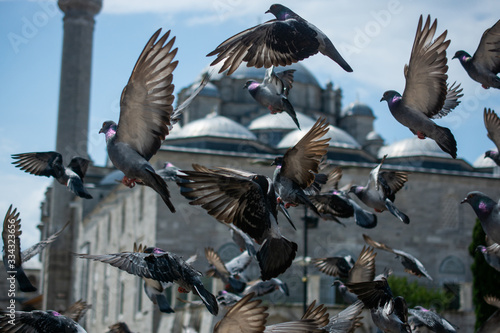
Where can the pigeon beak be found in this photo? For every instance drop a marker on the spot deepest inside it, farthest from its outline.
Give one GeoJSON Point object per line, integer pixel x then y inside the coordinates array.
{"type": "Point", "coordinates": [273, 163]}
{"type": "Point", "coordinates": [454, 57]}
{"type": "Point", "coordinates": [463, 201]}
{"type": "Point", "coordinates": [101, 131]}
{"type": "Point", "coordinates": [382, 99]}
{"type": "Point", "coordinates": [267, 11]}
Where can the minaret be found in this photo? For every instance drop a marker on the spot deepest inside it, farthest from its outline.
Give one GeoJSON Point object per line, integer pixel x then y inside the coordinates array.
{"type": "Point", "coordinates": [72, 128]}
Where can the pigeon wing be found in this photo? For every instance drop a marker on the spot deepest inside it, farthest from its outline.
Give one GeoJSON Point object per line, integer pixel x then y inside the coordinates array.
{"type": "Point", "coordinates": [492, 124]}
{"type": "Point", "coordinates": [215, 260]}
{"type": "Point", "coordinates": [392, 181]}
{"type": "Point", "coordinates": [333, 266]}
{"type": "Point", "coordinates": [46, 164]}
{"type": "Point", "coordinates": [348, 320]}
{"type": "Point", "coordinates": [425, 74]}
{"type": "Point", "coordinates": [146, 101]}
{"type": "Point", "coordinates": [245, 316]}
{"type": "Point", "coordinates": [318, 314]}
{"type": "Point", "coordinates": [131, 262]}
{"type": "Point", "coordinates": [488, 51]}
{"type": "Point", "coordinates": [373, 293]}
{"type": "Point", "coordinates": [364, 268]}
{"type": "Point", "coordinates": [38, 247]}
{"type": "Point", "coordinates": [10, 235]}
{"type": "Point", "coordinates": [301, 162]}
{"type": "Point", "coordinates": [77, 310]}
{"type": "Point", "coordinates": [79, 165]}
{"type": "Point", "coordinates": [376, 244]}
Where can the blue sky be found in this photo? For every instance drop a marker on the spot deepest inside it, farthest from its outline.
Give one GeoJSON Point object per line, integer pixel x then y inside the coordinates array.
{"type": "Point", "coordinates": [375, 37]}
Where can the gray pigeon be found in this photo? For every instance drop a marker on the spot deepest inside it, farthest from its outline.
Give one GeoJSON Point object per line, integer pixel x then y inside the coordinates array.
{"type": "Point", "coordinates": [432, 320]}
{"type": "Point", "coordinates": [490, 255]}
{"type": "Point", "coordinates": [346, 321]}
{"type": "Point", "coordinates": [273, 92]}
{"type": "Point", "coordinates": [155, 264]}
{"type": "Point", "coordinates": [279, 42]}
{"type": "Point", "coordinates": [296, 170]}
{"type": "Point", "coordinates": [388, 313]}
{"type": "Point", "coordinates": [228, 272]}
{"type": "Point", "coordinates": [380, 191]}
{"type": "Point", "coordinates": [492, 124]}
{"type": "Point", "coordinates": [261, 288]}
{"type": "Point", "coordinates": [492, 324]}
{"type": "Point", "coordinates": [13, 257]}
{"type": "Point", "coordinates": [411, 264]}
{"type": "Point", "coordinates": [484, 66]}
{"type": "Point", "coordinates": [50, 164]}
{"type": "Point", "coordinates": [426, 94]}
{"type": "Point", "coordinates": [226, 298]}
{"type": "Point", "coordinates": [169, 172]}
{"type": "Point", "coordinates": [38, 322]}
{"type": "Point", "coordinates": [488, 213]}
{"type": "Point", "coordinates": [248, 201]}
{"type": "Point", "coordinates": [119, 327]}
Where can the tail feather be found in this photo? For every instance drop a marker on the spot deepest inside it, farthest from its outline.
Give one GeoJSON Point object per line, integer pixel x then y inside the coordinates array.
{"type": "Point", "coordinates": [396, 212]}
{"type": "Point", "coordinates": [275, 256]}
{"type": "Point", "coordinates": [158, 184]}
{"type": "Point", "coordinates": [446, 141]}
{"type": "Point", "coordinates": [291, 112]}
{"type": "Point", "coordinates": [75, 185]}
{"type": "Point", "coordinates": [208, 299]}
{"type": "Point", "coordinates": [332, 53]}
{"type": "Point", "coordinates": [163, 304]}
{"type": "Point", "coordinates": [24, 283]}
{"type": "Point", "coordinates": [362, 217]}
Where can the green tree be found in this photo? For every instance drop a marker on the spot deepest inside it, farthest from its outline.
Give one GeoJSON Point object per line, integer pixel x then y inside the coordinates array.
{"type": "Point", "coordinates": [486, 280]}
{"type": "Point", "coordinates": [417, 294]}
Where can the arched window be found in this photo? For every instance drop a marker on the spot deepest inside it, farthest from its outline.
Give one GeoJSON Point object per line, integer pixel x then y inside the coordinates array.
{"type": "Point", "coordinates": [452, 265]}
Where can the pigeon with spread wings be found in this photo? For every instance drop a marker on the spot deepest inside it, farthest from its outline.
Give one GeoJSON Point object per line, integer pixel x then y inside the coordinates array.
{"type": "Point", "coordinates": [492, 124]}
{"type": "Point", "coordinates": [484, 65]}
{"type": "Point", "coordinates": [50, 164]}
{"type": "Point", "coordinates": [426, 95]}
{"type": "Point", "coordinates": [297, 169]}
{"type": "Point", "coordinates": [38, 322]}
{"type": "Point", "coordinates": [279, 42]}
{"type": "Point", "coordinates": [249, 202]}
{"type": "Point", "coordinates": [161, 266]}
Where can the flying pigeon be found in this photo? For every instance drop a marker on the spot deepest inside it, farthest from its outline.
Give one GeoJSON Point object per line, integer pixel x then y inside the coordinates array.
{"type": "Point", "coordinates": [50, 164]}
{"type": "Point", "coordinates": [492, 124]}
{"type": "Point", "coordinates": [296, 170]}
{"type": "Point", "coordinates": [432, 320]}
{"type": "Point", "coordinates": [13, 257]}
{"type": "Point", "coordinates": [492, 324]}
{"type": "Point", "coordinates": [248, 315]}
{"type": "Point", "coordinates": [336, 203]}
{"type": "Point", "coordinates": [389, 314]}
{"type": "Point", "coordinates": [249, 202]}
{"type": "Point", "coordinates": [226, 298]}
{"type": "Point", "coordinates": [146, 116]}
{"type": "Point", "coordinates": [484, 66]}
{"type": "Point", "coordinates": [411, 264]}
{"type": "Point", "coordinates": [244, 242]}
{"type": "Point", "coordinates": [379, 193]}
{"type": "Point", "coordinates": [490, 255]}
{"type": "Point", "coordinates": [119, 327]}
{"type": "Point", "coordinates": [77, 310]}
{"type": "Point", "coordinates": [426, 95]}
{"type": "Point", "coordinates": [161, 266]}
{"type": "Point", "coordinates": [273, 92]}
{"type": "Point", "coordinates": [38, 322]}
{"type": "Point", "coordinates": [228, 272]}
{"type": "Point", "coordinates": [169, 172]}
{"type": "Point", "coordinates": [261, 288]}
{"type": "Point", "coordinates": [346, 321]}
{"type": "Point", "coordinates": [279, 42]}
{"type": "Point", "coordinates": [488, 213]}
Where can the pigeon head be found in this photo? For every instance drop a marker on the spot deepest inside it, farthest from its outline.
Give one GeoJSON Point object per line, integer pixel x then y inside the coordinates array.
{"type": "Point", "coordinates": [481, 248]}
{"type": "Point", "coordinates": [109, 129]}
{"type": "Point", "coordinates": [357, 190]}
{"type": "Point", "coordinates": [53, 313]}
{"type": "Point", "coordinates": [491, 154]}
{"type": "Point", "coordinates": [251, 85]}
{"type": "Point", "coordinates": [462, 56]}
{"type": "Point", "coordinates": [481, 203]}
{"type": "Point", "coordinates": [281, 12]}
{"type": "Point", "coordinates": [278, 161]}
{"type": "Point", "coordinates": [392, 97]}
{"type": "Point", "coordinates": [154, 250]}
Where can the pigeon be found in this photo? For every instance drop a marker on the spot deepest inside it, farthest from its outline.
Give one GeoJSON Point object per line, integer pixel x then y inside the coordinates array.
{"type": "Point", "coordinates": [119, 327]}
{"type": "Point", "coordinates": [296, 170]}
{"type": "Point", "coordinates": [161, 266]}
{"type": "Point", "coordinates": [346, 321]}
{"type": "Point", "coordinates": [484, 66]}
{"type": "Point", "coordinates": [169, 172]}
{"type": "Point", "coordinates": [50, 164]}
{"type": "Point", "coordinates": [337, 203]}
{"type": "Point", "coordinates": [273, 92]}
{"type": "Point", "coordinates": [389, 314]}
{"type": "Point", "coordinates": [379, 193]}
{"type": "Point", "coordinates": [335, 266]}
{"type": "Point", "coordinates": [243, 241]}
{"type": "Point", "coordinates": [492, 124]}
{"type": "Point", "coordinates": [77, 310]}
{"type": "Point", "coordinates": [226, 298]}
{"type": "Point", "coordinates": [426, 94]}
{"type": "Point", "coordinates": [411, 264]}
{"type": "Point", "coordinates": [146, 116]}
{"type": "Point", "coordinates": [490, 255]}
{"type": "Point", "coordinates": [261, 288]}
{"type": "Point", "coordinates": [13, 257]}
{"type": "Point", "coordinates": [492, 324]}
{"type": "Point", "coordinates": [279, 42]}
{"type": "Point", "coordinates": [228, 272]}
{"type": "Point", "coordinates": [432, 320]}
{"type": "Point", "coordinates": [488, 213]}
{"type": "Point", "coordinates": [38, 322]}
{"type": "Point", "coordinates": [249, 316]}
{"type": "Point", "coordinates": [248, 201]}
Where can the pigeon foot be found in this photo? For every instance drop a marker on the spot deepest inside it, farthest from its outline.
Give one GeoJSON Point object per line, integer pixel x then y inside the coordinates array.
{"type": "Point", "coordinates": [182, 290]}
{"type": "Point", "coordinates": [279, 200]}
{"type": "Point", "coordinates": [485, 87]}
{"type": "Point", "coordinates": [421, 135]}
{"type": "Point", "coordinates": [289, 204]}
{"type": "Point", "coordinates": [129, 182]}
{"type": "Point", "coordinates": [378, 210]}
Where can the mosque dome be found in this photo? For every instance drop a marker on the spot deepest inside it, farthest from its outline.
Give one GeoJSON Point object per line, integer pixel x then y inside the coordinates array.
{"type": "Point", "coordinates": [357, 109]}
{"type": "Point", "coordinates": [280, 121]}
{"type": "Point", "coordinates": [482, 162]}
{"type": "Point", "coordinates": [213, 125]}
{"type": "Point", "coordinates": [412, 147]}
{"type": "Point", "coordinates": [338, 138]}
{"type": "Point", "coordinates": [373, 136]}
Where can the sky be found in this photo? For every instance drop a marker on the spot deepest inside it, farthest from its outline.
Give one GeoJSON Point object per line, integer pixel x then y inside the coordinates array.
{"type": "Point", "coordinates": [375, 38]}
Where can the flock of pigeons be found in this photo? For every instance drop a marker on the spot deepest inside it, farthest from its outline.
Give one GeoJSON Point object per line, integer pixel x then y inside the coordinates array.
{"type": "Point", "coordinates": [249, 203]}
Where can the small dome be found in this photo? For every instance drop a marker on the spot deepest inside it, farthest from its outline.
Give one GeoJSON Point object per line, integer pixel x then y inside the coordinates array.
{"type": "Point", "coordinates": [413, 147]}
{"type": "Point", "coordinates": [357, 109]}
{"type": "Point", "coordinates": [213, 125]}
{"type": "Point", "coordinates": [483, 162]}
{"type": "Point", "coordinates": [280, 121]}
{"type": "Point", "coordinates": [338, 138]}
{"type": "Point", "coordinates": [111, 178]}
{"type": "Point", "coordinates": [302, 74]}
{"type": "Point", "coordinates": [373, 136]}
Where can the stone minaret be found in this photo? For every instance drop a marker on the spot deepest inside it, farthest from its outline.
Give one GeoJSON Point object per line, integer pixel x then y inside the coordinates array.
{"type": "Point", "coordinates": [72, 128]}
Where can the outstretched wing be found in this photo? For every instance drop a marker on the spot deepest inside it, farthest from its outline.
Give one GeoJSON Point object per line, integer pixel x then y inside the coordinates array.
{"type": "Point", "coordinates": [492, 124]}
{"type": "Point", "coordinates": [10, 235]}
{"type": "Point", "coordinates": [38, 247]}
{"type": "Point", "coordinates": [46, 164]}
{"type": "Point", "coordinates": [488, 50]}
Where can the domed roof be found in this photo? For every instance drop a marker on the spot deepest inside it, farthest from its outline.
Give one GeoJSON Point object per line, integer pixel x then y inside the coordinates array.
{"type": "Point", "coordinates": [373, 136]}
{"type": "Point", "coordinates": [357, 109]}
{"type": "Point", "coordinates": [213, 125]}
{"type": "Point", "coordinates": [338, 138]}
{"type": "Point", "coordinates": [280, 121]}
{"type": "Point", "coordinates": [482, 162]}
{"type": "Point", "coordinates": [302, 74]}
{"type": "Point", "coordinates": [413, 147]}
